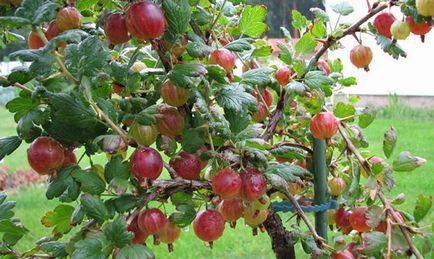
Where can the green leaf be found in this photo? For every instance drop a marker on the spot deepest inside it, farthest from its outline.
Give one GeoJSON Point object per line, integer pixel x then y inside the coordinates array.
{"type": "Point", "coordinates": [184, 215]}
{"type": "Point", "coordinates": [348, 81]}
{"type": "Point", "coordinates": [116, 168]}
{"type": "Point", "coordinates": [406, 162]}
{"type": "Point", "coordinates": [373, 242]}
{"type": "Point", "coordinates": [261, 52]}
{"type": "Point", "coordinates": [42, 60]}
{"type": "Point", "coordinates": [298, 20]}
{"type": "Point", "coordinates": [125, 202]}
{"type": "Point", "coordinates": [285, 55]}
{"type": "Point", "coordinates": [90, 182]}
{"type": "Point", "coordinates": [64, 185]}
{"type": "Point", "coordinates": [89, 248]}
{"type": "Point", "coordinates": [258, 76]}
{"type": "Point", "coordinates": [54, 248]}
{"type": "Point", "coordinates": [135, 251]}
{"type": "Point", "coordinates": [295, 87]}
{"type": "Point", "coordinates": [37, 11]}
{"type": "Point", "coordinates": [217, 73]}
{"type": "Point", "coordinates": [181, 74]}
{"type": "Point", "coordinates": [252, 21]}
{"type": "Point", "coordinates": [343, 110]}
{"type": "Point", "coordinates": [343, 8]}
{"type": "Point", "coordinates": [77, 215]}
{"type": "Point", "coordinates": [8, 145]}
{"type": "Point", "coordinates": [367, 117]}
{"type": "Point", "coordinates": [235, 98]}
{"type": "Point", "coordinates": [198, 49]}
{"type": "Point", "coordinates": [288, 171]}
{"type": "Point", "coordinates": [116, 232]}
{"type": "Point", "coordinates": [389, 141]}
{"type": "Point", "coordinates": [59, 218]}
{"type": "Point", "coordinates": [13, 21]}
{"type": "Point", "coordinates": [288, 152]}
{"type": "Point", "coordinates": [12, 231]}
{"type": "Point", "coordinates": [256, 143]}
{"type": "Point", "coordinates": [317, 79]}
{"type": "Point", "coordinates": [387, 45]}
{"type": "Point", "coordinates": [238, 120]}
{"type": "Point", "coordinates": [193, 139]}
{"type": "Point", "coordinates": [178, 14]}
{"type": "Point", "coordinates": [239, 45]}
{"type": "Point", "coordinates": [20, 75]}
{"type": "Point", "coordinates": [87, 58]}
{"type": "Point", "coordinates": [423, 205]}
{"type": "Point", "coordinates": [320, 14]}
{"type": "Point", "coordinates": [94, 207]}
{"type": "Point", "coordinates": [319, 30]}
{"type": "Point", "coordinates": [306, 44]}
{"type": "Point", "coordinates": [6, 207]}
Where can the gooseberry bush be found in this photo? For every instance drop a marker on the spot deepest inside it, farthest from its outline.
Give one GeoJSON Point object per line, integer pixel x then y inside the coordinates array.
{"type": "Point", "coordinates": [202, 126]}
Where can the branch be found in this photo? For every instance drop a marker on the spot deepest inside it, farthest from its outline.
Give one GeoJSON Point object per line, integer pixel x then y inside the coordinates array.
{"type": "Point", "coordinates": [197, 30]}
{"type": "Point", "coordinates": [281, 239]}
{"type": "Point", "coordinates": [171, 171]}
{"type": "Point", "coordinates": [389, 209]}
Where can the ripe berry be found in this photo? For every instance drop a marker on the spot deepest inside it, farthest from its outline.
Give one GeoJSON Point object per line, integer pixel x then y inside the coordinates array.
{"type": "Point", "coordinates": [69, 157]}
{"type": "Point", "coordinates": [253, 185]}
{"type": "Point", "coordinates": [118, 89]}
{"type": "Point", "coordinates": [45, 155]}
{"type": "Point", "coordinates": [186, 165]}
{"type": "Point", "coordinates": [383, 22]}
{"type": "Point", "coordinates": [173, 122]}
{"type": "Point", "coordinates": [209, 225]}
{"type": "Point", "coordinates": [361, 56]}
{"type": "Point", "coordinates": [227, 184]}
{"type": "Point", "coordinates": [145, 21]}
{"type": "Point", "coordinates": [231, 210]}
{"type": "Point", "coordinates": [400, 30]}
{"type": "Point", "coordinates": [68, 18]}
{"type": "Point", "coordinates": [324, 66]}
{"type": "Point", "coordinates": [115, 28]}
{"type": "Point", "coordinates": [34, 41]}
{"type": "Point", "coordinates": [52, 30]}
{"type": "Point", "coordinates": [152, 221]}
{"type": "Point", "coordinates": [169, 235]}
{"type": "Point", "coordinates": [344, 254]}
{"type": "Point", "coordinates": [358, 220]}
{"type": "Point", "coordinates": [324, 125]}
{"type": "Point", "coordinates": [146, 163]}
{"type": "Point", "coordinates": [224, 58]}
{"type": "Point", "coordinates": [337, 186]}
{"type": "Point", "coordinates": [174, 95]}
{"type": "Point", "coordinates": [265, 96]}
{"type": "Point", "coordinates": [425, 7]}
{"type": "Point", "coordinates": [261, 114]}
{"type": "Point", "coordinates": [283, 75]}
{"type": "Point", "coordinates": [140, 236]}
{"type": "Point", "coordinates": [343, 220]}
{"type": "Point", "coordinates": [418, 28]}
{"type": "Point", "coordinates": [144, 135]}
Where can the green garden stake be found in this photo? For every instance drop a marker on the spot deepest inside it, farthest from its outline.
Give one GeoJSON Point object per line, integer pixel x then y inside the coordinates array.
{"type": "Point", "coordinates": [320, 185]}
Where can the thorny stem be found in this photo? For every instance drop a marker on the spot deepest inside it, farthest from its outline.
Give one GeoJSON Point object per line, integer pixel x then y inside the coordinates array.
{"type": "Point", "coordinates": [65, 71]}
{"type": "Point", "coordinates": [389, 239]}
{"type": "Point", "coordinates": [390, 212]}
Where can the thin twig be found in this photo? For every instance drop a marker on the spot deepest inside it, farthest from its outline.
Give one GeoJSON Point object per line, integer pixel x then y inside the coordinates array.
{"type": "Point", "coordinates": [297, 145]}
{"type": "Point", "coordinates": [107, 119]}
{"type": "Point", "coordinates": [389, 241]}
{"type": "Point", "coordinates": [218, 16]}
{"type": "Point", "coordinates": [171, 171]}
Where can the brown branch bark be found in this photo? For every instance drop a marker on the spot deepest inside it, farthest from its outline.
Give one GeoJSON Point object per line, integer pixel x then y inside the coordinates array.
{"type": "Point", "coordinates": [281, 240]}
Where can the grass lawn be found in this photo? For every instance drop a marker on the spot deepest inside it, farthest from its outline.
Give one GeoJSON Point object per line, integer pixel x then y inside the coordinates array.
{"type": "Point", "coordinates": [416, 136]}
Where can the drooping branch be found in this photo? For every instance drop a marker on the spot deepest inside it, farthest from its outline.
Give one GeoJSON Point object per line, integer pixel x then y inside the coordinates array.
{"type": "Point", "coordinates": [17, 85]}
{"type": "Point", "coordinates": [281, 240]}
{"type": "Point", "coordinates": [388, 207]}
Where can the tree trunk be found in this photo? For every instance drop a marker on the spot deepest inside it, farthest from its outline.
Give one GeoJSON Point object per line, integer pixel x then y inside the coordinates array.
{"type": "Point", "coordinates": [280, 238]}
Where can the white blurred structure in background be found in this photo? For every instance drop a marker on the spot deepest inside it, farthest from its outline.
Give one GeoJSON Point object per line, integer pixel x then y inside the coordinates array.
{"type": "Point", "coordinates": [411, 77]}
